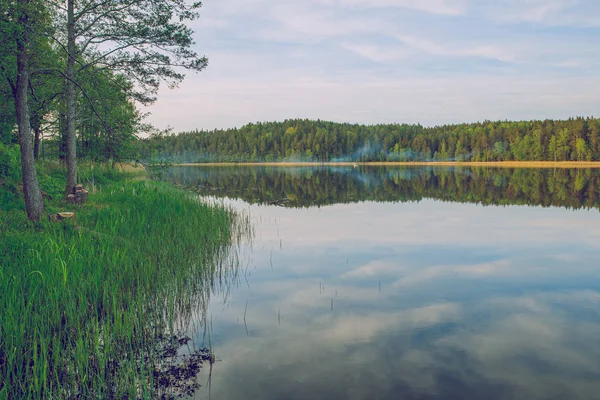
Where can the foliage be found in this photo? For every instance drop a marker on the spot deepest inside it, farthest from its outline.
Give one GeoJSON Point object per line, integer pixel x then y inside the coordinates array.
{"type": "Point", "coordinates": [142, 41]}
{"type": "Point", "coordinates": [10, 175]}
{"type": "Point", "coordinates": [146, 41]}
{"type": "Point", "coordinates": [157, 170]}
{"type": "Point", "coordinates": [108, 119]}
{"type": "Point", "coordinates": [7, 114]}
{"type": "Point", "coordinates": [44, 83]}
{"type": "Point", "coordinates": [576, 139]}
{"type": "Point", "coordinates": [10, 164]}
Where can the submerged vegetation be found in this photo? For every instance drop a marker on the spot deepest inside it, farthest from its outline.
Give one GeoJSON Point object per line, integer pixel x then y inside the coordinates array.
{"type": "Point", "coordinates": [86, 301]}
{"type": "Point", "coordinates": [323, 185]}
{"type": "Point", "coordinates": [576, 139]}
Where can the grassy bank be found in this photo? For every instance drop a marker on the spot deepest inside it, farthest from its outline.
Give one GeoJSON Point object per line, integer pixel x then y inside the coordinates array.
{"type": "Point", "coordinates": [83, 302]}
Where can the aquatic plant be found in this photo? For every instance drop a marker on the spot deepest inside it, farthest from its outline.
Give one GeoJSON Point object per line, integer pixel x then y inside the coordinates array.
{"type": "Point", "coordinates": [84, 303]}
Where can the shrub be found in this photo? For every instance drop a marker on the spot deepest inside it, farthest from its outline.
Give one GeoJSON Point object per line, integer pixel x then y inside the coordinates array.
{"type": "Point", "coordinates": [10, 164]}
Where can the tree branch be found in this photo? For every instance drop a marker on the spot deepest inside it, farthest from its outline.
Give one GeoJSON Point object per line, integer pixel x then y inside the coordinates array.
{"type": "Point", "coordinates": [84, 92]}
{"type": "Point", "coordinates": [10, 82]}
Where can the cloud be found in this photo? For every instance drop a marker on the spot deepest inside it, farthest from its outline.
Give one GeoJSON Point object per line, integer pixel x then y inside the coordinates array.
{"type": "Point", "coordinates": [577, 13]}
{"type": "Point", "coordinates": [443, 7]}
{"type": "Point", "coordinates": [487, 269]}
{"type": "Point", "coordinates": [352, 328]}
{"type": "Point", "coordinates": [481, 50]}
{"type": "Point", "coordinates": [518, 347]}
{"type": "Point", "coordinates": [373, 268]}
{"type": "Point", "coordinates": [429, 62]}
{"type": "Point", "coordinates": [378, 53]}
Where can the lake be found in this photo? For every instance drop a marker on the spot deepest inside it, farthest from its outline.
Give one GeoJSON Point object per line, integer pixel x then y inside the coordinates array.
{"type": "Point", "coordinates": [406, 283]}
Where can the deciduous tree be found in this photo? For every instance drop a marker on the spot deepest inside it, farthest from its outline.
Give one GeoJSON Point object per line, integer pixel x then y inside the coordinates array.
{"type": "Point", "coordinates": [20, 19]}
{"type": "Point", "coordinates": [147, 41]}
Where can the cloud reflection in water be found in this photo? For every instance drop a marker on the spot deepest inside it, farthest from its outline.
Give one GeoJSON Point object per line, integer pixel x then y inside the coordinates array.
{"type": "Point", "coordinates": [425, 300]}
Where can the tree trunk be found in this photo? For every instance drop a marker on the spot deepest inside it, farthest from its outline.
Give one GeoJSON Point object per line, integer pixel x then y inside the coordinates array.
{"type": "Point", "coordinates": [31, 187]}
{"type": "Point", "coordinates": [62, 139]}
{"type": "Point", "coordinates": [70, 99]}
{"type": "Point", "coordinates": [36, 141]}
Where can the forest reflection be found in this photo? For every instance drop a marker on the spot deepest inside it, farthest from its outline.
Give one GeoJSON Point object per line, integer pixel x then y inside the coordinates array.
{"type": "Point", "coordinates": [324, 185]}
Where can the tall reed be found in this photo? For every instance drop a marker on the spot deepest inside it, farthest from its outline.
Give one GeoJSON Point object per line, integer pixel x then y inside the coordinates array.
{"type": "Point", "coordinates": [83, 302]}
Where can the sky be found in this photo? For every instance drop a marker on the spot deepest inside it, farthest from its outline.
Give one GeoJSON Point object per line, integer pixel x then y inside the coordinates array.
{"type": "Point", "coordinates": [388, 61]}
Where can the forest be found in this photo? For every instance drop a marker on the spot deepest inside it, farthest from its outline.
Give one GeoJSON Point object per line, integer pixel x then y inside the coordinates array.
{"type": "Point", "coordinates": [575, 139]}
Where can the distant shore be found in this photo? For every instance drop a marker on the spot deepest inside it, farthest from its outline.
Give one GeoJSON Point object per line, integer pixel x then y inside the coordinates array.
{"type": "Point", "coordinates": [496, 164]}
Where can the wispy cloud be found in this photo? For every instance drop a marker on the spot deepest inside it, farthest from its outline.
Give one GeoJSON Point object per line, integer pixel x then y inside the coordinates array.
{"type": "Point", "coordinates": [578, 13]}
{"type": "Point", "coordinates": [348, 60]}
{"type": "Point", "coordinates": [490, 51]}
{"type": "Point", "coordinates": [443, 7]}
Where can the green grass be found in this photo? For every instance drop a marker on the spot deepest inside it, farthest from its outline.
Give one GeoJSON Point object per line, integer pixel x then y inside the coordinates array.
{"type": "Point", "coordinates": [82, 301]}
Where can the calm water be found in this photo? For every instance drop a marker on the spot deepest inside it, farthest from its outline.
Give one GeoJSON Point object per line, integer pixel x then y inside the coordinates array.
{"type": "Point", "coordinates": [408, 283]}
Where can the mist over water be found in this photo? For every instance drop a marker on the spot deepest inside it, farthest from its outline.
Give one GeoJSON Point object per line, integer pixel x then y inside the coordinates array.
{"type": "Point", "coordinates": [395, 283]}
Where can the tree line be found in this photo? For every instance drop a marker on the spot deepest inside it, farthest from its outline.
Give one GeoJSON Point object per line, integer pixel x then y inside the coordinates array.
{"type": "Point", "coordinates": [72, 73]}
{"type": "Point", "coordinates": [575, 139]}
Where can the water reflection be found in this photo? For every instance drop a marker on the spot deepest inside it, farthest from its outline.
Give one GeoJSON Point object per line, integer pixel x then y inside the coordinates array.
{"type": "Point", "coordinates": [319, 186]}
{"type": "Point", "coordinates": [413, 300]}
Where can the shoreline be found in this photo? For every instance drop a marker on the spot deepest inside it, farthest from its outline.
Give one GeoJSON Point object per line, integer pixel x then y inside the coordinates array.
{"type": "Point", "coordinates": [494, 164]}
